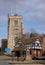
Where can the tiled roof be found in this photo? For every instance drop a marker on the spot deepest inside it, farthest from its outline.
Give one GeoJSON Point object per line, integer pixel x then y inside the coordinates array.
{"type": "Point", "coordinates": [16, 15]}
{"type": "Point", "coordinates": [29, 40]}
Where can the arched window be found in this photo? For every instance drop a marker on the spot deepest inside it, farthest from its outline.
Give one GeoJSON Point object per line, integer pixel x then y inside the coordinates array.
{"type": "Point", "coordinates": [16, 22]}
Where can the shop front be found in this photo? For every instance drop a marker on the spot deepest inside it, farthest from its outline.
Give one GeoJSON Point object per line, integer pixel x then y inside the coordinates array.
{"type": "Point", "coordinates": [19, 53]}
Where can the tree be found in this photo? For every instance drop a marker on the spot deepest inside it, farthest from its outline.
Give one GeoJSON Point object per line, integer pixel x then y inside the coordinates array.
{"type": "Point", "coordinates": [33, 34]}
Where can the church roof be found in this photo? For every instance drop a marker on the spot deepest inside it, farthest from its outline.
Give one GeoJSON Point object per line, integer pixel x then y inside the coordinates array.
{"type": "Point", "coordinates": [29, 40]}
{"type": "Point", "coordinates": [16, 15]}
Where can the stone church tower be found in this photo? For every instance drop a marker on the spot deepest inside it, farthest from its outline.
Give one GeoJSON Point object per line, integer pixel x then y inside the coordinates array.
{"type": "Point", "coordinates": [15, 29]}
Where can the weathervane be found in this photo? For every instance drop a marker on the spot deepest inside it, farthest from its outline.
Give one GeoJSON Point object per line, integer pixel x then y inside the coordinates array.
{"type": "Point", "coordinates": [11, 10]}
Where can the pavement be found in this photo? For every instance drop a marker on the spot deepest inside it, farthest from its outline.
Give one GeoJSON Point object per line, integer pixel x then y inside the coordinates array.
{"type": "Point", "coordinates": [26, 62]}
{"type": "Point", "coordinates": [6, 60]}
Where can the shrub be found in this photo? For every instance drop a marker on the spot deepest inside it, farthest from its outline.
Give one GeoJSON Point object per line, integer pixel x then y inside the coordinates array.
{"type": "Point", "coordinates": [1, 53]}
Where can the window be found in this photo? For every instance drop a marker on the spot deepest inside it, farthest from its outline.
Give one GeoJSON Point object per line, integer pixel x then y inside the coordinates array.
{"type": "Point", "coordinates": [16, 22]}
{"type": "Point", "coordinates": [16, 31]}
{"type": "Point", "coordinates": [37, 44]}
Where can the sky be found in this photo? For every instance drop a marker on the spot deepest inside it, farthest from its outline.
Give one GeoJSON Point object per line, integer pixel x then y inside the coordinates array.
{"type": "Point", "coordinates": [32, 12]}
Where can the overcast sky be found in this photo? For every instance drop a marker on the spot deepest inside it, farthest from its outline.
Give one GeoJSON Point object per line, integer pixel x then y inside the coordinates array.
{"type": "Point", "coordinates": [32, 11]}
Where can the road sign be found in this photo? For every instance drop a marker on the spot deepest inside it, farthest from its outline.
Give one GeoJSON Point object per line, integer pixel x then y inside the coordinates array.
{"type": "Point", "coordinates": [7, 49]}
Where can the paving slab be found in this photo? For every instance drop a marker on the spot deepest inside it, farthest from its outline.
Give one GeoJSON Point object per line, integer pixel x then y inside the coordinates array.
{"type": "Point", "coordinates": [15, 62]}
{"type": "Point", "coordinates": [26, 62]}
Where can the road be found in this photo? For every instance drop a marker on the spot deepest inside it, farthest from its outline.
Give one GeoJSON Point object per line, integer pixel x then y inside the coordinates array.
{"type": "Point", "coordinates": [4, 61]}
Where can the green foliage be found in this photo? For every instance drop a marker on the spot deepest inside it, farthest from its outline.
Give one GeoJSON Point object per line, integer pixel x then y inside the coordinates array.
{"type": "Point", "coordinates": [1, 53]}
{"type": "Point", "coordinates": [34, 34]}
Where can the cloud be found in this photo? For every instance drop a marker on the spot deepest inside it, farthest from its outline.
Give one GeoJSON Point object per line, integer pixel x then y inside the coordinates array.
{"type": "Point", "coordinates": [33, 7]}
{"type": "Point", "coordinates": [3, 21]}
{"type": "Point", "coordinates": [32, 11]}
{"type": "Point", "coordinates": [3, 26]}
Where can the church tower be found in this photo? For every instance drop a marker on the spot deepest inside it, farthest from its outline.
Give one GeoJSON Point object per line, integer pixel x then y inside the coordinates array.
{"type": "Point", "coordinates": [15, 29]}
